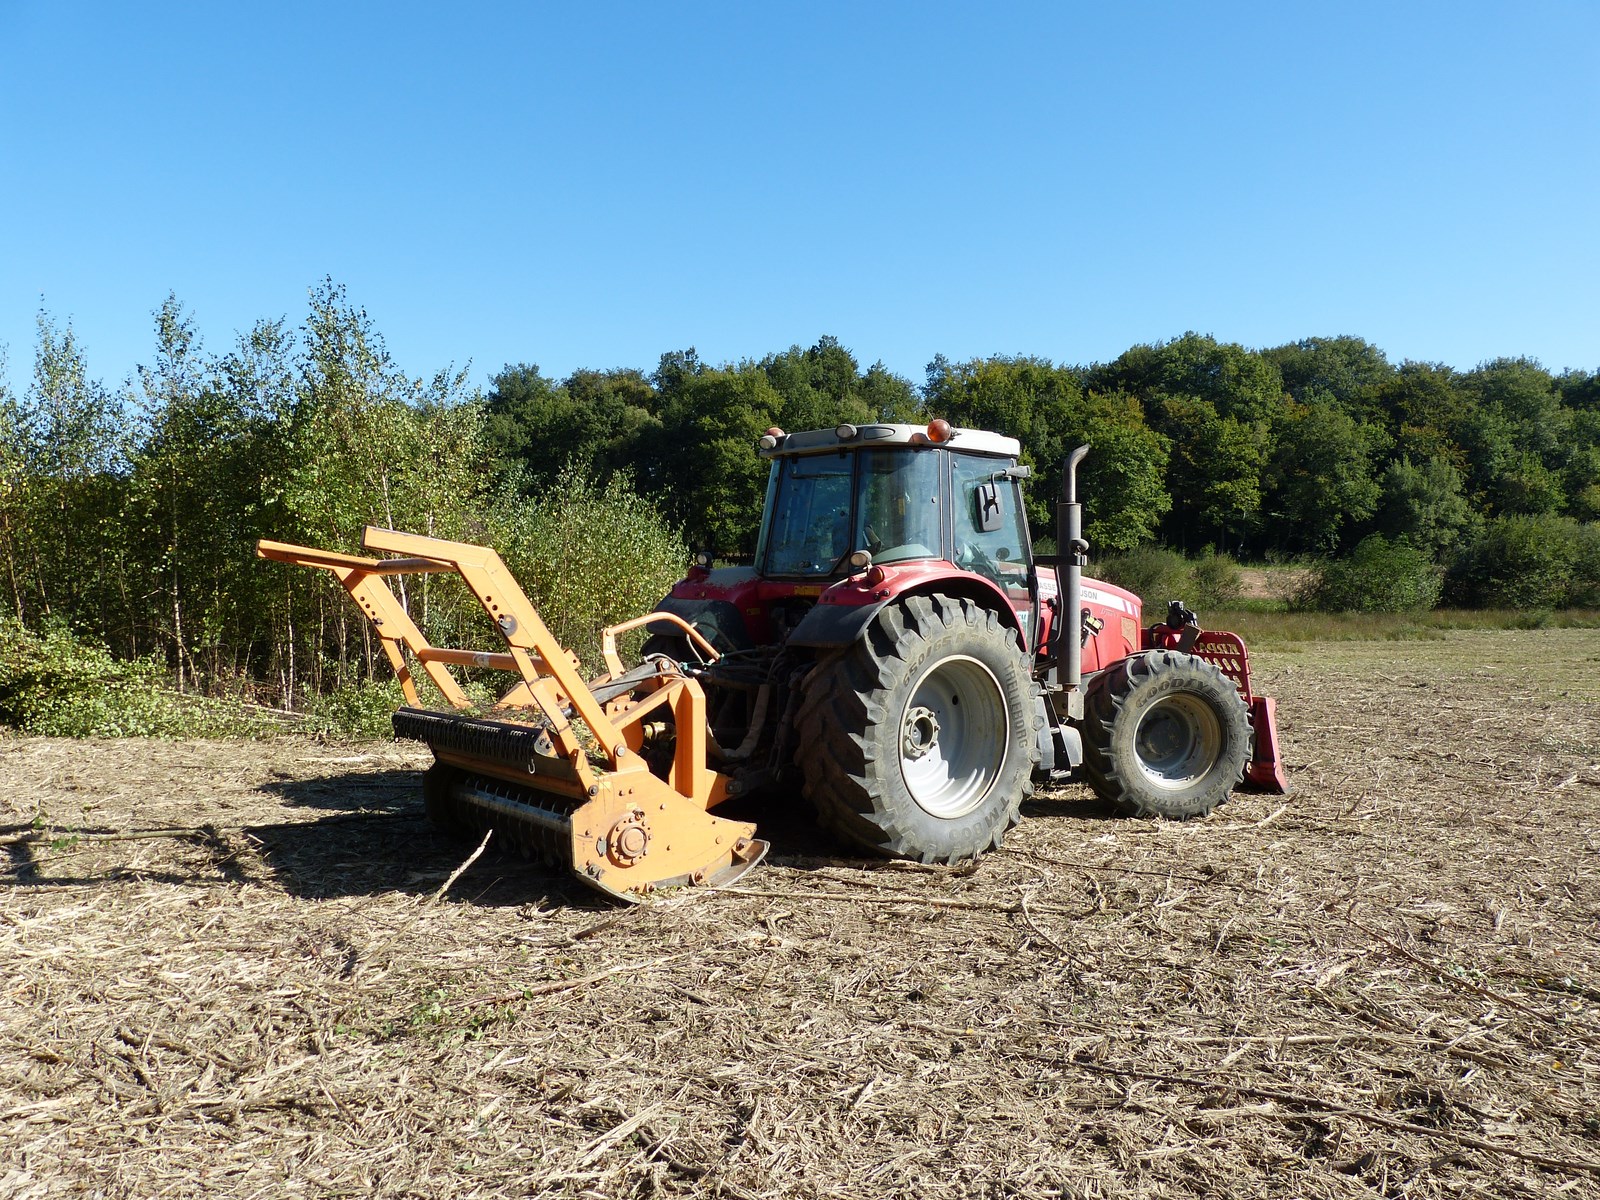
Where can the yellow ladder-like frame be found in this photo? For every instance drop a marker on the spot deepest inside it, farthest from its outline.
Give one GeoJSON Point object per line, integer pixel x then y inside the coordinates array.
{"type": "Point", "coordinates": [624, 790]}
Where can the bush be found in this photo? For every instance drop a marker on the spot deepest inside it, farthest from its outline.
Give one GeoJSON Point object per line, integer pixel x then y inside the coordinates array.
{"type": "Point", "coordinates": [359, 710]}
{"type": "Point", "coordinates": [1530, 562]}
{"type": "Point", "coordinates": [589, 556]}
{"type": "Point", "coordinates": [1157, 574]}
{"type": "Point", "coordinates": [1378, 576]}
{"type": "Point", "coordinates": [1584, 591]}
{"type": "Point", "coordinates": [1217, 580]}
{"type": "Point", "coordinates": [53, 684]}
{"type": "Point", "coordinates": [1153, 572]}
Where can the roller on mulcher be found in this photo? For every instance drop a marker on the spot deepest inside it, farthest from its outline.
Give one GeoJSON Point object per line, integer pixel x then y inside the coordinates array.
{"type": "Point", "coordinates": [896, 652]}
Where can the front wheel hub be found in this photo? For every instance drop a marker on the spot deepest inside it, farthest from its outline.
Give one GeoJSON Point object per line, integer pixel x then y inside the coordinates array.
{"type": "Point", "coordinates": [1178, 741]}
{"type": "Point", "coordinates": [921, 731]}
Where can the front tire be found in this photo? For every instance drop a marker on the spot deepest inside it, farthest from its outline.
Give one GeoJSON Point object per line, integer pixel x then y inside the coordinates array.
{"type": "Point", "coordinates": [1165, 735]}
{"type": "Point", "coordinates": [918, 740]}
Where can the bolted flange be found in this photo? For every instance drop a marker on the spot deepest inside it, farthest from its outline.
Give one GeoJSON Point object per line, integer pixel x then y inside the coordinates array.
{"type": "Point", "coordinates": [629, 839]}
{"type": "Point", "coordinates": [921, 732]}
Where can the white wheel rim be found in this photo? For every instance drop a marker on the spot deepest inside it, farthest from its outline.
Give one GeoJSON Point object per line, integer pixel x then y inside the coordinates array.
{"type": "Point", "coordinates": [952, 736]}
{"type": "Point", "coordinates": [1178, 741]}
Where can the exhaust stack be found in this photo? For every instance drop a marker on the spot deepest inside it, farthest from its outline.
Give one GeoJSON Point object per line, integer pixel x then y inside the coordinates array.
{"type": "Point", "coordinates": [1072, 552]}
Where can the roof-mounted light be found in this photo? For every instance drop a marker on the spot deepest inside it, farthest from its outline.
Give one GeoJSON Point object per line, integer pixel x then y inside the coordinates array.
{"type": "Point", "coordinates": [939, 431]}
{"type": "Point", "coordinates": [845, 432]}
{"type": "Point", "coordinates": [772, 438]}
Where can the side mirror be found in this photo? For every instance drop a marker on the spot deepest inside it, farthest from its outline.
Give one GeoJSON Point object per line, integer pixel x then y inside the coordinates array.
{"type": "Point", "coordinates": [1022, 471]}
{"type": "Point", "coordinates": [987, 495]}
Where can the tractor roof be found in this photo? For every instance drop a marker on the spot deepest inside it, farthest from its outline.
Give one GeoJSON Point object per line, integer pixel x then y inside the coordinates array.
{"type": "Point", "coordinates": [842, 437]}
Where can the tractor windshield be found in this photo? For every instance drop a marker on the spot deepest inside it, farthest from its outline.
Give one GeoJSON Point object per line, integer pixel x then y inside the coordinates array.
{"type": "Point", "coordinates": [821, 507]}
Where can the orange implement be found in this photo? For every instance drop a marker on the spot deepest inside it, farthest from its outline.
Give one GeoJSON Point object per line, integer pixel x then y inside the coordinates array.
{"type": "Point", "coordinates": [560, 766]}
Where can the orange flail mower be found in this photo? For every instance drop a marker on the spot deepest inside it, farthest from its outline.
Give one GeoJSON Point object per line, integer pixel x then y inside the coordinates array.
{"type": "Point", "coordinates": [528, 773]}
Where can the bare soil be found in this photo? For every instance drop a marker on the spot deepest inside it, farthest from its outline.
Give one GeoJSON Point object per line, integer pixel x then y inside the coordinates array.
{"type": "Point", "coordinates": [1270, 583]}
{"type": "Point", "coordinates": [1387, 983]}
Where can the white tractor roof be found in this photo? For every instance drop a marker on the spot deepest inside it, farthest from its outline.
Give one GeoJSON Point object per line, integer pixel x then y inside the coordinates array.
{"type": "Point", "coordinates": [820, 441]}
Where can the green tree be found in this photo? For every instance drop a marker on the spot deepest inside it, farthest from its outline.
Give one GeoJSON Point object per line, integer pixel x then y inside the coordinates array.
{"type": "Point", "coordinates": [527, 417]}
{"type": "Point", "coordinates": [1216, 403]}
{"type": "Point", "coordinates": [1424, 504]}
{"type": "Point", "coordinates": [1214, 474]}
{"type": "Point", "coordinates": [890, 397]}
{"type": "Point", "coordinates": [1582, 474]}
{"type": "Point", "coordinates": [1516, 438]}
{"type": "Point", "coordinates": [1123, 484]}
{"type": "Point", "coordinates": [370, 445]}
{"type": "Point", "coordinates": [1580, 390]}
{"type": "Point", "coordinates": [1320, 477]}
{"type": "Point", "coordinates": [1347, 370]}
{"type": "Point", "coordinates": [177, 502]}
{"type": "Point", "coordinates": [710, 422]}
{"type": "Point", "coordinates": [73, 441]}
{"type": "Point", "coordinates": [1425, 410]}
{"type": "Point", "coordinates": [15, 490]}
{"type": "Point", "coordinates": [1237, 383]}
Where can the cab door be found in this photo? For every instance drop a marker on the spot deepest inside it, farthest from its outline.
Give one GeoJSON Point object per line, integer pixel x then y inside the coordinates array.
{"type": "Point", "coordinates": [990, 533]}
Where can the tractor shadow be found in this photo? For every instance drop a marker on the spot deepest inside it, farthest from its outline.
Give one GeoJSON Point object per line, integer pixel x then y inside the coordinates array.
{"type": "Point", "coordinates": [366, 833]}
{"type": "Point", "coordinates": [376, 838]}
{"type": "Point", "coordinates": [373, 836]}
{"type": "Point", "coordinates": [1072, 802]}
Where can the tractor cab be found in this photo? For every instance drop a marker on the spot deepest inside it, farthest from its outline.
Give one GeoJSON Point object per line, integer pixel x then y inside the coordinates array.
{"type": "Point", "coordinates": [892, 492]}
{"type": "Point", "coordinates": [856, 515]}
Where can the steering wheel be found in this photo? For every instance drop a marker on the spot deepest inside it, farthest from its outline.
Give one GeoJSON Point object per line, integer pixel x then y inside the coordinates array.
{"type": "Point", "coordinates": [971, 557]}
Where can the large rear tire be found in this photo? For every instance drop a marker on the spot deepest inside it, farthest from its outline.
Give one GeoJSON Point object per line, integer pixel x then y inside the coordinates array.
{"type": "Point", "coordinates": [918, 740]}
{"type": "Point", "coordinates": [1164, 735]}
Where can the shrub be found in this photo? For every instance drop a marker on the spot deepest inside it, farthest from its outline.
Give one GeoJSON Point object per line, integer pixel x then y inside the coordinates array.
{"type": "Point", "coordinates": [1378, 576]}
{"type": "Point", "coordinates": [1217, 580]}
{"type": "Point", "coordinates": [1157, 574]}
{"type": "Point", "coordinates": [1153, 572]}
{"type": "Point", "coordinates": [359, 710]}
{"type": "Point", "coordinates": [1530, 562]}
{"type": "Point", "coordinates": [55, 685]}
{"type": "Point", "coordinates": [1584, 591]}
{"type": "Point", "coordinates": [589, 556]}
{"type": "Point", "coordinates": [363, 711]}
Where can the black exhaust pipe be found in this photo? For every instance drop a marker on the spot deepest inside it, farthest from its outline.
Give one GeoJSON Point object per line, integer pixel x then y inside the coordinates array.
{"type": "Point", "coordinates": [1072, 553]}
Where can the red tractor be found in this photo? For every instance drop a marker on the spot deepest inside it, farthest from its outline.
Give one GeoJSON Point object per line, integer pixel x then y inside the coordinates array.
{"type": "Point", "coordinates": [895, 648]}
{"type": "Point", "coordinates": [898, 646]}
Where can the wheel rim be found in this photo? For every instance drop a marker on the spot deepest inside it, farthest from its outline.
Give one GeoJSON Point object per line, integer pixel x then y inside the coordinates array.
{"type": "Point", "coordinates": [953, 736]}
{"type": "Point", "coordinates": [1177, 742]}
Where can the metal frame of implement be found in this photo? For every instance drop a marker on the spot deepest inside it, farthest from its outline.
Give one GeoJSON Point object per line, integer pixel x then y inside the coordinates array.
{"type": "Point", "coordinates": [627, 830]}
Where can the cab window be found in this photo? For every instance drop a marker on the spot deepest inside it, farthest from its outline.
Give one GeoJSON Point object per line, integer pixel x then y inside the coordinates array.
{"type": "Point", "coordinates": [899, 513]}
{"type": "Point", "coordinates": [990, 538]}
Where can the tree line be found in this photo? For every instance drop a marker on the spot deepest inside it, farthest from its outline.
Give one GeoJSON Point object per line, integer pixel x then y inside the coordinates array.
{"type": "Point", "coordinates": [129, 513]}
{"type": "Point", "coordinates": [1300, 449]}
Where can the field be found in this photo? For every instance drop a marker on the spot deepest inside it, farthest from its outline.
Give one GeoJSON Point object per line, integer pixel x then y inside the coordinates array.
{"type": "Point", "coordinates": [235, 969]}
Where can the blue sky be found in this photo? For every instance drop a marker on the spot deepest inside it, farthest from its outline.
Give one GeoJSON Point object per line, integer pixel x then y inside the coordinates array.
{"type": "Point", "coordinates": [593, 185]}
